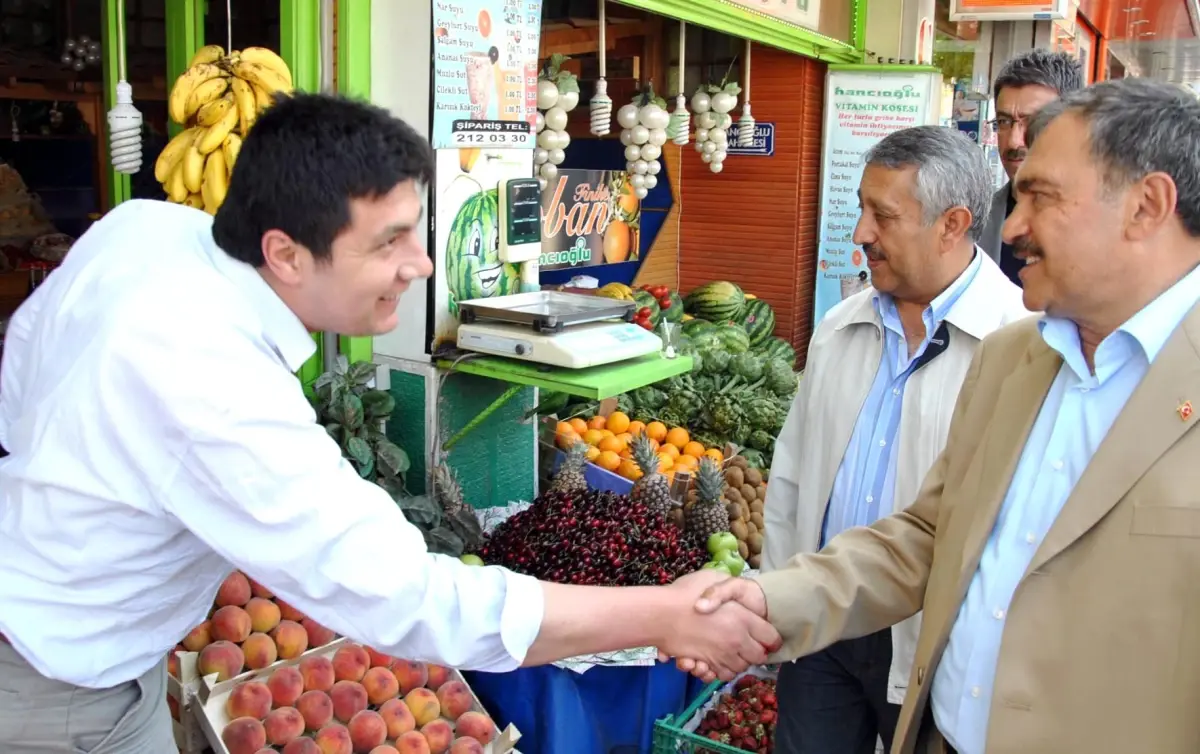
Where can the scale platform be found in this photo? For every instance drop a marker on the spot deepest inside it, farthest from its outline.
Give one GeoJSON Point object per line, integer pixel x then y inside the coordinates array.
{"type": "Point", "coordinates": [545, 311]}
{"type": "Point", "coordinates": [576, 347]}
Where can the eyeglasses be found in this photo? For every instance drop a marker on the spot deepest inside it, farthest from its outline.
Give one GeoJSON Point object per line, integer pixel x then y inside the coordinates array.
{"type": "Point", "coordinates": [1005, 123]}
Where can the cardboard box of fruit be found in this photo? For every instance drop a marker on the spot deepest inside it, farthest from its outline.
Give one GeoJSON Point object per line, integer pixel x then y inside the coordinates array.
{"type": "Point", "coordinates": [344, 698]}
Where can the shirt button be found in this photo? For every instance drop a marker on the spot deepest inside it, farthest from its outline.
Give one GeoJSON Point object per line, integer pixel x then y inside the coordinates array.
{"type": "Point", "coordinates": [895, 391]}
{"type": "Point", "coordinates": [1057, 465]}
{"type": "Point", "coordinates": [870, 498]}
{"type": "Point", "coordinates": [998, 614]}
{"type": "Point", "coordinates": [883, 443]}
{"type": "Point", "coordinates": [1084, 389]}
{"type": "Point", "coordinates": [1030, 538]}
{"type": "Point", "coordinates": [975, 692]}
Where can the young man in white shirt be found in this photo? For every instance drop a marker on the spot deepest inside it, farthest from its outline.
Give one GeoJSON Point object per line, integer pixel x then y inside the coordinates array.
{"type": "Point", "coordinates": [158, 438]}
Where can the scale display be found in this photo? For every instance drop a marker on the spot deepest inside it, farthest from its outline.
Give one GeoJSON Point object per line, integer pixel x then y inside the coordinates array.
{"type": "Point", "coordinates": [524, 217]}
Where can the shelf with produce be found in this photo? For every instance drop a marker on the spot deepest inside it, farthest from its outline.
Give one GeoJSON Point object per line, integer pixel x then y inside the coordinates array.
{"type": "Point", "coordinates": [594, 383]}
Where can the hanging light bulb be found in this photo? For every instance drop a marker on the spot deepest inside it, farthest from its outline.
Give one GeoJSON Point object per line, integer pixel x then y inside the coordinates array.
{"type": "Point", "coordinates": [745, 134]}
{"type": "Point", "coordinates": [679, 129]}
{"type": "Point", "coordinates": [124, 120]}
{"type": "Point", "coordinates": [601, 105]}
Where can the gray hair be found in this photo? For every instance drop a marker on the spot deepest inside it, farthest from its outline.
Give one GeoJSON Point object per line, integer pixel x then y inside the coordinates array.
{"type": "Point", "coordinates": [1139, 126]}
{"type": "Point", "coordinates": [1059, 71]}
{"type": "Point", "coordinates": [951, 171]}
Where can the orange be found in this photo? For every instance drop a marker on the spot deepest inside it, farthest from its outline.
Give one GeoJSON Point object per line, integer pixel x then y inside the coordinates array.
{"type": "Point", "coordinates": [618, 421]}
{"type": "Point", "coordinates": [629, 470]}
{"type": "Point", "coordinates": [597, 422]}
{"type": "Point", "coordinates": [665, 461]}
{"type": "Point", "coordinates": [608, 460]}
{"type": "Point", "coordinates": [626, 438]}
{"type": "Point", "coordinates": [593, 436]}
{"type": "Point", "coordinates": [715, 454]}
{"type": "Point", "coordinates": [657, 431]}
{"type": "Point", "coordinates": [670, 450]}
{"type": "Point", "coordinates": [593, 453]}
{"type": "Point", "coordinates": [566, 439]}
{"type": "Point", "coordinates": [607, 433]}
{"type": "Point", "coordinates": [654, 444]}
{"type": "Point", "coordinates": [693, 449]}
{"type": "Point", "coordinates": [563, 428]}
{"type": "Point", "coordinates": [579, 425]}
{"type": "Point", "coordinates": [636, 428]}
{"type": "Point", "coordinates": [687, 462]}
{"type": "Point", "coordinates": [614, 444]}
{"type": "Point", "coordinates": [678, 437]}
{"type": "Point", "coordinates": [670, 474]}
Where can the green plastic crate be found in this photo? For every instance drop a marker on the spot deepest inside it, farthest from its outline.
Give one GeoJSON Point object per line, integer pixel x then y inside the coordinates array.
{"type": "Point", "coordinates": [671, 738]}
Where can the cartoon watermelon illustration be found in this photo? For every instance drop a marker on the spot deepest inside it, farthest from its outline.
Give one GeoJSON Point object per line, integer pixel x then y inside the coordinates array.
{"type": "Point", "coordinates": [473, 266]}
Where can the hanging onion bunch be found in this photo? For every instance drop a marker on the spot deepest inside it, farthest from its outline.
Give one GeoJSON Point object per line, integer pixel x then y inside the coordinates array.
{"type": "Point", "coordinates": [557, 95]}
{"type": "Point", "coordinates": [643, 132]}
{"type": "Point", "coordinates": [712, 105]}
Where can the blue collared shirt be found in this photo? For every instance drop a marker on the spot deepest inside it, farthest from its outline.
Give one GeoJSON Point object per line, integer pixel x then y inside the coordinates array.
{"type": "Point", "coordinates": [1078, 411]}
{"type": "Point", "coordinates": [866, 480]}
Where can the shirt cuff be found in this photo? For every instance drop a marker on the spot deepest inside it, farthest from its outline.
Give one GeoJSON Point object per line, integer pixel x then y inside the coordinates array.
{"type": "Point", "coordinates": [521, 618]}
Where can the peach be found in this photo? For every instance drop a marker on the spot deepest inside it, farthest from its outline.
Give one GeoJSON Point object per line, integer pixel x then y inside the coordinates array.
{"type": "Point", "coordinates": [349, 698]}
{"type": "Point", "coordinates": [318, 673]}
{"type": "Point", "coordinates": [438, 675]}
{"type": "Point", "coordinates": [379, 659]}
{"type": "Point", "coordinates": [264, 614]}
{"type": "Point", "coordinates": [412, 743]}
{"type": "Point", "coordinates": [318, 635]}
{"type": "Point", "coordinates": [173, 706]}
{"type": "Point", "coordinates": [398, 718]}
{"type": "Point", "coordinates": [424, 705]}
{"type": "Point", "coordinates": [367, 730]}
{"type": "Point", "coordinates": [384, 749]}
{"type": "Point", "coordinates": [302, 746]}
{"type": "Point", "coordinates": [258, 590]}
{"type": "Point", "coordinates": [198, 638]}
{"type": "Point", "coordinates": [230, 623]}
{"type": "Point", "coordinates": [350, 663]}
{"type": "Point", "coordinates": [334, 739]}
{"type": "Point", "coordinates": [235, 590]}
{"type": "Point", "coordinates": [287, 612]}
{"type": "Point", "coordinates": [455, 699]}
{"type": "Point", "coordinates": [381, 685]}
{"type": "Point", "coordinates": [476, 725]}
{"type": "Point", "coordinates": [251, 699]}
{"type": "Point", "coordinates": [410, 674]}
{"type": "Point", "coordinates": [260, 651]}
{"type": "Point", "coordinates": [317, 709]}
{"type": "Point", "coordinates": [439, 734]}
{"type": "Point", "coordinates": [466, 746]}
{"type": "Point", "coordinates": [223, 658]}
{"type": "Point", "coordinates": [245, 735]}
{"type": "Point", "coordinates": [173, 663]}
{"type": "Point", "coordinates": [286, 686]}
{"type": "Point", "coordinates": [291, 639]}
{"type": "Point", "coordinates": [283, 725]}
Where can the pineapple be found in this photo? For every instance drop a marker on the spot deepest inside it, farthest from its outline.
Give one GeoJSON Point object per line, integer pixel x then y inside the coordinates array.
{"type": "Point", "coordinates": [570, 475]}
{"type": "Point", "coordinates": [652, 490]}
{"type": "Point", "coordinates": [708, 515]}
{"type": "Point", "coordinates": [456, 514]}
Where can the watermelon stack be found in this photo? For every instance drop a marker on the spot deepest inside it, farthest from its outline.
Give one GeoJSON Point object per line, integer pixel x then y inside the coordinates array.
{"type": "Point", "coordinates": [719, 301]}
{"type": "Point", "coordinates": [758, 319]}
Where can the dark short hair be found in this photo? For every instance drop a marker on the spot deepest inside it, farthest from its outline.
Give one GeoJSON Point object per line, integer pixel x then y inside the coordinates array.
{"type": "Point", "coordinates": [1059, 71]}
{"type": "Point", "coordinates": [306, 158]}
{"type": "Point", "coordinates": [1139, 126]}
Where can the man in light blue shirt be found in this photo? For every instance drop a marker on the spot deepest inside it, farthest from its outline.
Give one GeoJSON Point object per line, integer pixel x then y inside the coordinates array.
{"type": "Point", "coordinates": [1054, 550]}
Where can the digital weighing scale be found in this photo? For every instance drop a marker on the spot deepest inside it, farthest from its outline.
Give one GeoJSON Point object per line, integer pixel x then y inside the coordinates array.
{"type": "Point", "coordinates": [560, 329]}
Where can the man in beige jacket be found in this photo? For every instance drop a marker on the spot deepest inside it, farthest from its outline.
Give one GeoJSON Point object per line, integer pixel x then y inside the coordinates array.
{"type": "Point", "coordinates": [858, 441]}
{"type": "Point", "coordinates": [1054, 548]}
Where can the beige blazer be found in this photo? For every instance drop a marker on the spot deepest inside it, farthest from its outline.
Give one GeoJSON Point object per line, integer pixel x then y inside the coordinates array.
{"type": "Point", "coordinates": [1101, 647]}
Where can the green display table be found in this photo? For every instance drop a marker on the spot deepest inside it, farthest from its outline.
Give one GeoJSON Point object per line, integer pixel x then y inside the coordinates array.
{"type": "Point", "coordinates": [594, 383]}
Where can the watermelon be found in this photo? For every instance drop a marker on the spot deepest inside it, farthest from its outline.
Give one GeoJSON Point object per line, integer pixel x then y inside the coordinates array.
{"type": "Point", "coordinates": [758, 319]}
{"type": "Point", "coordinates": [777, 349]}
{"type": "Point", "coordinates": [719, 301]}
{"type": "Point", "coordinates": [675, 312]}
{"type": "Point", "coordinates": [645, 298]}
{"type": "Point", "coordinates": [694, 327]}
{"type": "Point", "coordinates": [733, 338]}
{"type": "Point", "coordinates": [473, 266]}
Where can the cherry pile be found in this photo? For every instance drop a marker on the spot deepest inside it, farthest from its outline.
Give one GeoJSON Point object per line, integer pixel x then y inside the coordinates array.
{"type": "Point", "coordinates": [744, 719]}
{"type": "Point", "coordinates": [595, 538]}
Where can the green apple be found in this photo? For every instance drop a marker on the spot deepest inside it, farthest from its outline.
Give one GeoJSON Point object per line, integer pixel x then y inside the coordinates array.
{"type": "Point", "coordinates": [721, 541]}
{"type": "Point", "coordinates": [723, 568]}
{"type": "Point", "coordinates": [731, 560]}
{"type": "Point", "coordinates": [473, 560]}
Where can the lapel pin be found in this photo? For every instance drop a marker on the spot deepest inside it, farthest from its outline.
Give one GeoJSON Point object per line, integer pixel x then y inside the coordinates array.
{"type": "Point", "coordinates": [1185, 410]}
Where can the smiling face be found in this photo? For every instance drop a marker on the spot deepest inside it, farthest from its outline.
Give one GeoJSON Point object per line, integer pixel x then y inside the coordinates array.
{"type": "Point", "coordinates": [1068, 228]}
{"type": "Point", "coordinates": [473, 266]}
{"type": "Point", "coordinates": [1015, 105]}
{"type": "Point", "coordinates": [902, 252]}
{"type": "Point", "coordinates": [373, 260]}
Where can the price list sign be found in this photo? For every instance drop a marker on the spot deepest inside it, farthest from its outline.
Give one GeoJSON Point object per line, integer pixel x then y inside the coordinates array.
{"type": "Point", "coordinates": [485, 55]}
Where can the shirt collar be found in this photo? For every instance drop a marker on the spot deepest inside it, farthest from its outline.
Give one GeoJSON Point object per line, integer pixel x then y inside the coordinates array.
{"type": "Point", "coordinates": [280, 325]}
{"type": "Point", "coordinates": [1149, 329]}
{"type": "Point", "coordinates": [943, 307]}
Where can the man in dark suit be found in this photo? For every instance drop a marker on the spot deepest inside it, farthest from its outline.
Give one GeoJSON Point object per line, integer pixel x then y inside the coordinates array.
{"type": "Point", "coordinates": [1024, 85]}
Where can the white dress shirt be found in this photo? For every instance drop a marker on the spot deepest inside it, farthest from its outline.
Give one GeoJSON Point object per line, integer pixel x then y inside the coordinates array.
{"type": "Point", "coordinates": [159, 437]}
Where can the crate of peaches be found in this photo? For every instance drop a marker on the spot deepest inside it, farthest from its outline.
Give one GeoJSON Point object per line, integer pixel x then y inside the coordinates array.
{"type": "Point", "coordinates": [347, 699]}
{"type": "Point", "coordinates": [608, 438]}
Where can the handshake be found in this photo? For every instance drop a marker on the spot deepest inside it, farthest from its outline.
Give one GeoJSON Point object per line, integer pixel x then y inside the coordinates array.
{"type": "Point", "coordinates": [720, 626]}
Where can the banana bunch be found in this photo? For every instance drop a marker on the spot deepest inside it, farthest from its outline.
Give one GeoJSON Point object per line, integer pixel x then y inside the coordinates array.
{"type": "Point", "coordinates": [618, 291]}
{"type": "Point", "coordinates": [217, 99]}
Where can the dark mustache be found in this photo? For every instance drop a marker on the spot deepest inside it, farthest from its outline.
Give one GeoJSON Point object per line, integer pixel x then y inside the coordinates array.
{"type": "Point", "coordinates": [1026, 245]}
{"type": "Point", "coordinates": [1015, 154]}
{"type": "Point", "coordinates": [873, 252]}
